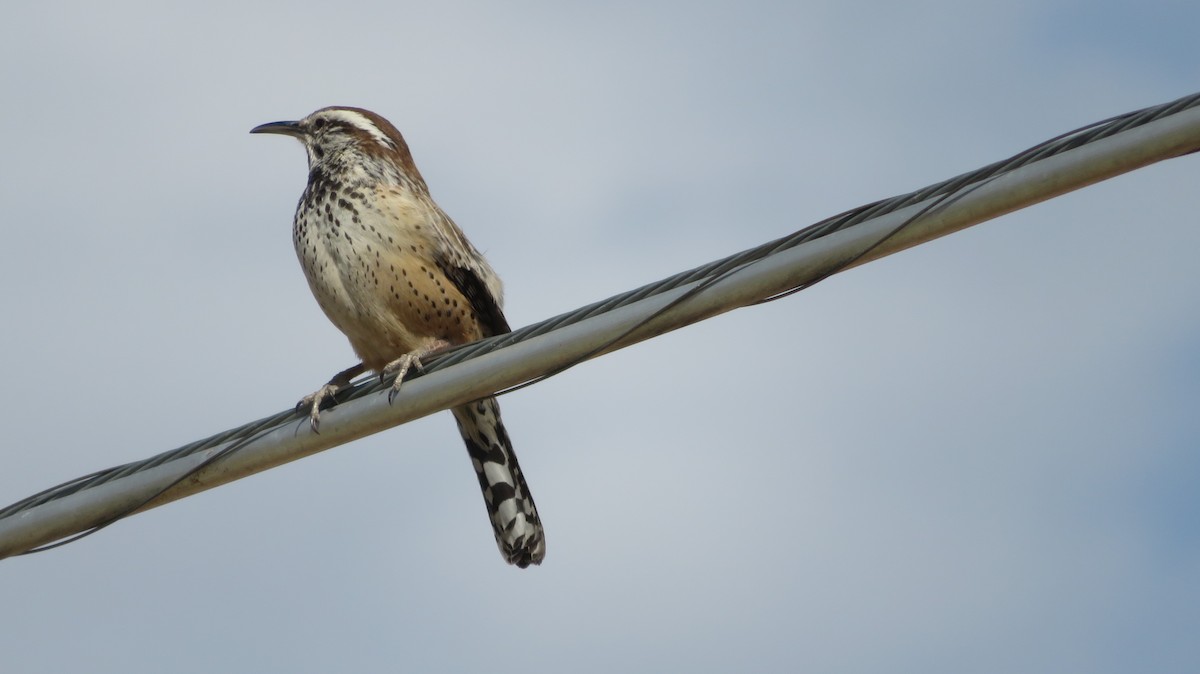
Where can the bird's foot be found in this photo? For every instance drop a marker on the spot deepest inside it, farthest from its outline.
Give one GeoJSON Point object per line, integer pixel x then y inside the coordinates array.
{"type": "Point", "coordinates": [312, 402]}
{"type": "Point", "coordinates": [400, 367]}
{"type": "Point", "coordinates": [322, 398]}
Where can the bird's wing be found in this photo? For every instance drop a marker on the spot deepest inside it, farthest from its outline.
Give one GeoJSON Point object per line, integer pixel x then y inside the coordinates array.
{"type": "Point", "coordinates": [472, 286]}
{"type": "Point", "coordinates": [470, 272]}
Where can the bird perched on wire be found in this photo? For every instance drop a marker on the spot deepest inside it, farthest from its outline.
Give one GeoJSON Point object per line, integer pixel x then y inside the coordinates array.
{"type": "Point", "coordinates": [399, 278]}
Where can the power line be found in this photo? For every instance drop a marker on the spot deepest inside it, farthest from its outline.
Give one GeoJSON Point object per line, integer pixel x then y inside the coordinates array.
{"type": "Point", "coordinates": [777, 268]}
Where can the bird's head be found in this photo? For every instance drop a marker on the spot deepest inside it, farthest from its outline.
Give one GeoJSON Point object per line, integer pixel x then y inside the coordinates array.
{"type": "Point", "coordinates": [340, 135]}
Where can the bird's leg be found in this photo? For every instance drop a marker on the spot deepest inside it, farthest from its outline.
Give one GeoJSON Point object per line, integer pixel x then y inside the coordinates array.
{"type": "Point", "coordinates": [313, 400]}
{"type": "Point", "coordinates": [403, 364]}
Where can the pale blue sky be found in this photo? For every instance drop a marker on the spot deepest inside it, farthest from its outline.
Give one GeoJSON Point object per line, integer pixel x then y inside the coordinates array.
{"type": "Point", "coordinates": [978, 455]}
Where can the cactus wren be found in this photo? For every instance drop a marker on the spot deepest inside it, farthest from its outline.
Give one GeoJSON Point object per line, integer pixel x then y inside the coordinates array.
{"type": "Point", "coordinates": [400, 279]}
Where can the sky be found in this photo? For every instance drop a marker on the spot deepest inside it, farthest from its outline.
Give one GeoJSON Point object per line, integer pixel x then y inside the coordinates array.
{"type": "Point", "coordinates": [976, 455]}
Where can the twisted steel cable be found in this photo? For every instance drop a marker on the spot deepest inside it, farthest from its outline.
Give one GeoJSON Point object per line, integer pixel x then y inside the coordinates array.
{"type": "Point", "coordinates": [941, 193]}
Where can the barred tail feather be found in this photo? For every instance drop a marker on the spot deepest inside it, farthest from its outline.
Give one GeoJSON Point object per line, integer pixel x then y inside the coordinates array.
{"type": "Point", "coordinates": [509, 504]}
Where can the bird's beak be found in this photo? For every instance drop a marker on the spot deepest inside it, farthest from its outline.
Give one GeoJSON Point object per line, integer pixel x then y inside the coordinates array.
{"type": "Point", "coordinates": [285, 128]}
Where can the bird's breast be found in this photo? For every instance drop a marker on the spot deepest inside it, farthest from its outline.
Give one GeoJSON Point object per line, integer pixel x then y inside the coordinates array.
{"type": "Point", "coordinates": [371, 268]}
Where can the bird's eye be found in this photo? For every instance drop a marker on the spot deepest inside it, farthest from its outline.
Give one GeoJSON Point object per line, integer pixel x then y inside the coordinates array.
{"type": "Point", "coordinates": [319, 124]}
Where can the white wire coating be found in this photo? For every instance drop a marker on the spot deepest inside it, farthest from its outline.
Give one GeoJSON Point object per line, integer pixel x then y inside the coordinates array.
{"type": "Point", "coordinates": [70, 509]}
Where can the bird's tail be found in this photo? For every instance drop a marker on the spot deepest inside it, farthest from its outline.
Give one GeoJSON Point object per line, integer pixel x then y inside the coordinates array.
{"type": "Point", "coordinates": [509, 503]}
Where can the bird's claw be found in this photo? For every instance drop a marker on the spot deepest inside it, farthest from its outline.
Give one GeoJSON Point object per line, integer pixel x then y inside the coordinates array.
{"type": "Point", "coordinates": [399, 368]}
{"type": "Point", "coordinates": [313, 402]}
{"type": "Point", "coordinates": [408, 361]}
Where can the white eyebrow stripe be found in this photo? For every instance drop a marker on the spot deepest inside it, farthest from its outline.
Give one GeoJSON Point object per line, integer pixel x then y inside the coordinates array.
{"type": "Point", "coordinates": [359, 121]}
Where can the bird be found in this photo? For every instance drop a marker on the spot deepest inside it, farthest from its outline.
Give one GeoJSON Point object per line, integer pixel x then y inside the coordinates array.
{"type": "Point", "coordinates": [394, 273]}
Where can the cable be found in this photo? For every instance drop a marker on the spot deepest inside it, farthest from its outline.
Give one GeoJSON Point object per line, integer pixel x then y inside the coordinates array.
{"type": "Point", "coordinates": [939, 196]}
